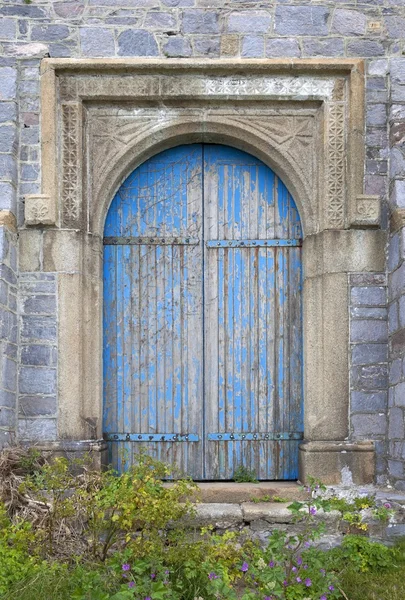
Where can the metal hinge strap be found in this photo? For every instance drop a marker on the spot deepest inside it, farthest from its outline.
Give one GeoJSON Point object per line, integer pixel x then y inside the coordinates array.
{"type": "Point", "coordinates": [151, 437]}
{"type": "Point", "coordinates": [252, 243]}
{"type": "Point", "coordinates": [245, 437]}
{"type": "Point", "coordinates": [149, 241]}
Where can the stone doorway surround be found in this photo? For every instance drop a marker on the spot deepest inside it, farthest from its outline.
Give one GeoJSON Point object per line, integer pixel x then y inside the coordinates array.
{"type": "Point", "coordinates": [100, 119]}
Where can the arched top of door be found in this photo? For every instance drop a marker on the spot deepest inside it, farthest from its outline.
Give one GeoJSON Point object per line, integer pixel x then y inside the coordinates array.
{"type": "Point", "coordinates": [211, 133]}
{"type": "Point", "coordinates": [160, 197]}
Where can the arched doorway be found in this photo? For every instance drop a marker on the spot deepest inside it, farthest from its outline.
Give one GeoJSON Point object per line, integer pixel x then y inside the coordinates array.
{"type": "Point", "coordinates": [202, 316]}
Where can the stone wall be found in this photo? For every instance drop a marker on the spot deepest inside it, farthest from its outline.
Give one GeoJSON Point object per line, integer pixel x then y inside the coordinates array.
{"type": "Point", "coordinates": [210, 29]}
{"type": "Point", "coordinates": [396, 278]}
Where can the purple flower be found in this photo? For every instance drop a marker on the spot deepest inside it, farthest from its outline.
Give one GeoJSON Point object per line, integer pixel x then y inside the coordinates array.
{"type": "Point", "coordinates": [271, 563]}
{"type": "Point", "coordinates": [305, 567]}
{"type": "Point", "coordinates": [298, 580]}
{"type": "Point", "coordinates": [307, 545]}
{"type": "Point", "coordinates": [331, 588]}
{"type": "Point", "coordinates": [147, 598]}
{"type": "Point", "coordinates": [308, 582]}
{"type": "Point", "coordinates": [126, 567]}
{"type": "Point", "coordinates": [244, 567]}
{"type": "Point", "coordinates": [285, 582]}
{"type": "Point", "coordinates": [294, 569]}
{"type": "Point", "coordinates": [153, 575]}
{"type": "Point", "coordinates": [322, 572]}
{"type": "Point", "coordinates": [131, 584]}
{"type": "Point", "coordinates": [212, 576]}
{"type": "Point", "coordinates": [323, 597]}
{"type": "Point", "coordinates": [312, 510]}
{"type": "Point", "coordinates": [387, 505]}
{"type": "Point", "coordinates": [299, 561]}
{"type": "Point", "coordinates": [167, 572]}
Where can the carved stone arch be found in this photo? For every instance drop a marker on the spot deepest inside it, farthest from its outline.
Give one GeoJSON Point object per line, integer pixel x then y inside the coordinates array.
{"type": "Point", "coordinates": [303, 118]}
{"type": "Point", "coordinates": [215, 131]}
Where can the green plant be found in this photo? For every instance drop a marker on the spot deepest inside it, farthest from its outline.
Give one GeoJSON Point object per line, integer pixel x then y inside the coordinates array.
{"type": "Point", "coordinates": [244, 475]}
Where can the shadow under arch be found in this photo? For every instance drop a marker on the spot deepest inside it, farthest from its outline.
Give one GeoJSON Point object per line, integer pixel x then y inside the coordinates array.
{"type": "Point", "coordinates": [208, 131]}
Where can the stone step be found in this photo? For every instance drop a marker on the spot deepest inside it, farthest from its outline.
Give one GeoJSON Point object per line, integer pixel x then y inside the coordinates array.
{"type": "Point", "coordinates": [237, 493]}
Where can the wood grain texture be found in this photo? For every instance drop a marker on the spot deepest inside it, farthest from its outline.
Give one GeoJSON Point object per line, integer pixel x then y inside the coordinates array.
{"type": "Point", "coordinates": [201, 339]}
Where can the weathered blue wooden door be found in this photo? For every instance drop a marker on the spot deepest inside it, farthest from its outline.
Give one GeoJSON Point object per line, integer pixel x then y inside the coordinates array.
{"type": "Point", "coordinates": [202, 316]}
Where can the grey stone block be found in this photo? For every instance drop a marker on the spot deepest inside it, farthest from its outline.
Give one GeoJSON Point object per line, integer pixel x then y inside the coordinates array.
{"type": "Point", "coordinates": [8, 138]}
{"type": "Point", "coordinates": [395, 373]}
{"type": "Point", "coordinates": [68, 10]}
{"type": "Point", "coordinates": [38, 328]}
{"type": "Point", "coordinates": [3, 293]}
{"type": "Point", "coordinates": [7, 416]}
{"type": "Point", "coordinates": [96, 41]}
{"type": "Point", "coordinates": [396, 428]}
{"type": "Point", "coordinates": [37, 406]}
{"type": "Point", "coordinates": [40, 304]}
{"type": "Point", "coordinates": [34, 287]}
{"type": "Point", "coordinates": [282, 48]}
{"type": "Point", "coordinates": [137, 42]}
{"type": "Point", "coordinates": [37, 429]}
{"type": "Point", "coordinates": [369, 296]}
{"type": "Point", "coordinates": [29, 172]}
{"type": "Point", "coordinates": [395, 26]}
{"type": "Point", "coordinates": [365, 48]}
{"type": "Point", "coordinates": [7, 399]}
{"type": "Point", "coordinates": [370, 377]}
{"type": "Point", "coordinates": [29, 135]}
{"type": "Point", "coordinates": [368, 331]}
{"type": "Point", "coordinates": [200, 21]}
{"type": "Point", "coordinates": [36, 354]}
{"type": "Point", "coordinates": [207, 46]}
{"type": "Point", "coordinates": [401, 309]}
{"type": "Point", "coordinates": [49, 33]}
{"type": "Point", "coordinates": [8, 274]}
{"type": "Point", "coordinates": [368, 401]}
{"type": "Point", "coordinates": [60, 51]}
{"type": "Point", "coordinates": [368, 279]}
{"type": "Point", "coordinates": [177, 46]}
{"type": "Point", "coordinates": [8, 29]}
{"type": "Point", "coordinates": [37, 380]}
{"type": "Point", "coordinates": [8, 167]}
{"type": "Point", "coordinates": [399, 394]}
{"type": "Point", "coordinates": [367, 354]}
{"type": "Point", "coordinates": [301, 20]}
{"type": "Point", "coordinates": [397, 165]}
{"type": "Point", "coordinates": [376, 114]}
{"type": "Point", "coordinates": [8, 374]}
{"type": "Point", "coordinates": [161, 21]}
{"type": "Point", "coordinates": [361, 312]}
{"type": "Point", "coordinates": [369, 424]}
{"type": "Point", "coordinates": [349, 22]}
{"type": "Point", "coordinates": [175, 3]}
{"type": "Point", "coordinates": [249, 22]}
{"type": "Point", "coordinates": [393, 251]}
{"type": "Point", "coordinates": [23, 10]}
{"type": "Point", "coordinates": [8, 111]}
{"type": "Point", "coordinates": [8, 78]}
{"type": "Point", "coordinates": [253, 46]}
{"type": "Point", "coordinates": [396, 468]}
{"type": "Point", "coordinates": [397, 281]}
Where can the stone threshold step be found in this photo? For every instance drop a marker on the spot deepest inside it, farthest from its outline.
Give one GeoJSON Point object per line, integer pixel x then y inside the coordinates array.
{"type": "Point", "coordinates": [237, 493]}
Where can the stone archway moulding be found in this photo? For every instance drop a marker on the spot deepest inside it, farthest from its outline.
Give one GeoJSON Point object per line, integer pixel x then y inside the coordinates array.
{"type": "Point", "coordinates": [304, 118]}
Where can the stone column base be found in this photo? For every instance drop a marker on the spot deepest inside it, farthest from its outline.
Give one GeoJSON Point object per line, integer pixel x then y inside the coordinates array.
{"type": "Point", "coordinates": [75, 449]}
{"type": "Point", "coordinates": [337, 462]}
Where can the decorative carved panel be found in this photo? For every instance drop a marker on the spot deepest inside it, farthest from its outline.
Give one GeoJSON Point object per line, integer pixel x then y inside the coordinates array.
{"type": "Point", "coordinates": [305, 145]}
{"type": "Point", "coordinates": [39, 210]}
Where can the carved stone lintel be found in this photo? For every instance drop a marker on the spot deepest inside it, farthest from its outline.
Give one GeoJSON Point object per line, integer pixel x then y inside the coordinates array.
{"type": "Point", "coordinates": [397, 219]}
{"type": "Point", "coordinates": [367, 211]}
{"type": "Point", "coordinates": [40, 209]}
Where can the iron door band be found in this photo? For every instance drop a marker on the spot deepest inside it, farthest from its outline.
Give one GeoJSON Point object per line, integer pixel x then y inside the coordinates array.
{"type": "Point", "coordinates": [253, 437]}
{"type": "Point", "coordinates": [253, 243]}
{"type": "Point", "coordinates": [151, 437]}
{"type": "Point", "coordinates": [149, 241]}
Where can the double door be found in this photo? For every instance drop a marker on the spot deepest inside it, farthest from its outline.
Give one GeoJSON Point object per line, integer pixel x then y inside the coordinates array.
{"type": "Point", "coordinates": [202, 316]}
